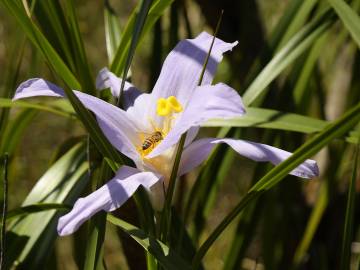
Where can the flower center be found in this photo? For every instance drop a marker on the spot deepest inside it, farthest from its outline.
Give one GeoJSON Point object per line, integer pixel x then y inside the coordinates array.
{"type": "Point", "coordinates": [166, 108]}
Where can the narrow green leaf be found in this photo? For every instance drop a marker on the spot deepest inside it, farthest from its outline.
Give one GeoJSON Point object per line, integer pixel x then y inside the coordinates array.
{"type": "Point", "coordinates": [4, 176]}
{"type": "Point", "coordinates": [293, 49]}
{"type": "Point", "coordinates": [266, 118]}
{"type": "Point", "coordinates": [166, 256]}
{"type": "Point", "coordinates": [139, 24]}
{"type": "Point", "coordinates": [297, 21]}
{"type": "Point", "coordinates": [349, 17]}
{"type": "Point", "coordinates": [349, 216]}
{"type": "Point", "coordinates": [273, 119]}
{"type": "Point", "coordinates": [35, 208]}
{"type": "Point", "coordinates": [112, 31]}
{"type": "Point", "coordinates": [58, 108]}
{"type": "Point", "coordinates": [332, 131]}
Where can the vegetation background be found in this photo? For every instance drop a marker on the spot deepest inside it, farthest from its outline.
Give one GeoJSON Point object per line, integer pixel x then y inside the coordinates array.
{"type": "Point", "coordinates": [298, 58]}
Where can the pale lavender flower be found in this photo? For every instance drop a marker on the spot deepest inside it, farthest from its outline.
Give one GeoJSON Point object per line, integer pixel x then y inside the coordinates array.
{"type": "Point", "coordinates": [150, 128]}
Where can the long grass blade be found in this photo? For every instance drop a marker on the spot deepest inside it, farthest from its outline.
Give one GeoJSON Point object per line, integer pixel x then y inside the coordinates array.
{"type": "Point", "coordinates": [56, 108]}
{"type": "Point", "coordinates": [349, 216]}
{"type": "Point", "coordinates": [4, 168]}
{"type": "Point", "coordinates": [35, 208]}
{"type": "Point", "coordinates": [112, 31]}
{"type": "Point", "coordinates": [139, 25]}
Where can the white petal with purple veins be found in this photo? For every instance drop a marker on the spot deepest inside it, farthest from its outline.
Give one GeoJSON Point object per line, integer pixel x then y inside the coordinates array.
{"type": "Point", "coordinates": [108, 198]}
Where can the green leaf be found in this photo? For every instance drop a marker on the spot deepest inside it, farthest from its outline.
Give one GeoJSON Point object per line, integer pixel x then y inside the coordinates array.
{"type": "Point", "coordinates": [139, 24]}
{"type": "Point", "coordinates": [349, 17]}
{"type": "Point", "coordinates": [349, 217]}
{"type": "Point", "coordinates": [337, 129]}
{"type": "Point", "coordinates": [58, 108]}
{"type": "Point", "coordinates": [112, 31]}
{"type": "Point", "coordinates": [35, 208]}
{"type": "Point", "coordinates": [271, 119]}
{"type": "Point", "coordinates": [297, 21]}
{"type": "Point", "coordinates": [166, 256]}
{"type": "Point", "coordinates": [30, 237]}
{"type": "Point", "coordinates": [292, 50]}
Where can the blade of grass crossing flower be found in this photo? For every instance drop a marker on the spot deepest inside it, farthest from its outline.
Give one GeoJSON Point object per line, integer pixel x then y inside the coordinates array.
{"type": "Point", "coordinates": [4, 174]}
{"type": "Point", "coordinates": [168, 258]}
{"type": "Point", "coordinates": [293, 49]}
{"type": "Point", "coordinates": [166, 212]}
{"type": "Point", "coordinates": [157, 9]}
{"type": "Point", "coordinates": [337, 129]}
{"type": "Point", "coordinates": [112, 31]}
{"type": "Point", "coordinates": [165, 222]}
{"type": "Point", "coordinates": [138, 27]}
{"type": "Point", "coordinates": [349, 216]}
{"type": "Point", "coordinates": [349, 17]}
{"type": "Point", "coordinates": [97, 227]}
{"type": "Point", "coordinates": [31, 237]}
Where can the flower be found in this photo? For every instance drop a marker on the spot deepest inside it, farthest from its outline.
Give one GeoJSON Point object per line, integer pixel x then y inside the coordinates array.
{"type": "Point", "coordinates": [150, 127]}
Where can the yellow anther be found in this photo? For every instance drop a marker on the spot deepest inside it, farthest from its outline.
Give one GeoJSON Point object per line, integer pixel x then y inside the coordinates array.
{"type": "Point", "coordinates": [175, 104]}
{"type": "Point", "coordinates": [163, 107]}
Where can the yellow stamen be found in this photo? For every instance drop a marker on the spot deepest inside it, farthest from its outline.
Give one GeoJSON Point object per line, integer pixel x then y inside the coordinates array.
{"type": "Point", "coordinates": [175, 104]}
{"type": "Point", "coordinates": [163, 107]}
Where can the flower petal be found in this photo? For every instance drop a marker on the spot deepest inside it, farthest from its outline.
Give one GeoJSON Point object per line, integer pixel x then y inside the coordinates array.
{"type": "Point", "coordinates": [107, 79]}
{"type": "Point", "coordinates": [209, 101]}
{"type": "Point", "coordinates": [181, 70]}
{"type": "Point", "coordinates": [199, 150]}
{"type": "Point", "coordinates": [108, 198]}
{"type": "Point", "coordinates": [114, 122]}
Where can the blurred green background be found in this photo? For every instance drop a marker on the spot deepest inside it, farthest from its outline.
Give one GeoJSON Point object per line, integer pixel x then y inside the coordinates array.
{"type": "Point", "coordinates": [297, 217]}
